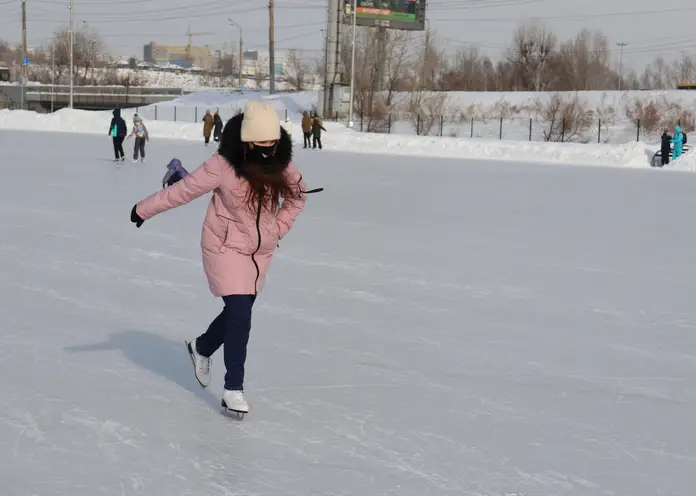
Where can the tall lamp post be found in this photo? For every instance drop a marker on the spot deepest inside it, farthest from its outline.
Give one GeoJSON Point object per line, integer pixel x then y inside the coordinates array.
{"type": "Point", "coordinates": [241, 50]}
{"type": "Point", "coordinates": [622, 45]}
{"type": "Point", "coordinates": [72, 43]}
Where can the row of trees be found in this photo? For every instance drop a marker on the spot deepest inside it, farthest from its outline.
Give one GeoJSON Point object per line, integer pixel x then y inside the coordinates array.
{"type": "Point", "coordinates": [400, 76]}
{"type": "Point", "coordinates": [535, 61]}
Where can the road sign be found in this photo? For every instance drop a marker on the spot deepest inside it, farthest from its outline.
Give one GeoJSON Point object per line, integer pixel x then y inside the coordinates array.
{"type": "Point", "coordinates": [26, 61]}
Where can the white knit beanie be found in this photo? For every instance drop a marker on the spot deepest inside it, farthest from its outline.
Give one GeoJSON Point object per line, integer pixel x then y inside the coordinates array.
{"type": "Point", "coordinates": [260, 122]}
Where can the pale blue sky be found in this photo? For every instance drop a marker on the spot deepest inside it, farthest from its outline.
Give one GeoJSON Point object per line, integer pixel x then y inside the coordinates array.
{"type": "Point", "coordinates": [650, 28]}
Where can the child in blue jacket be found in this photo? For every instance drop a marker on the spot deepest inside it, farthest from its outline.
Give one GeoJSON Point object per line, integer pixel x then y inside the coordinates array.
{"type": "Point", "coordinates": [678, 141]}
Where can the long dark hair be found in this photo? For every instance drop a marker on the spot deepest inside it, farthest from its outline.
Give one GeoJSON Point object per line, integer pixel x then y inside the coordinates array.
{"type": "Point", "coordinates": [268, 182]}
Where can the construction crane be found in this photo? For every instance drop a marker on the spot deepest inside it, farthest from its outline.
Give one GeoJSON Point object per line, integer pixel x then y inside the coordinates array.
{"type": "Point", "coordinates": [190, 38]}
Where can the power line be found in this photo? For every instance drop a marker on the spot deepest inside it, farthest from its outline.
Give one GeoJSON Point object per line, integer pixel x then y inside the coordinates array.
{"type": "Point", "coordinates": [572, 16]}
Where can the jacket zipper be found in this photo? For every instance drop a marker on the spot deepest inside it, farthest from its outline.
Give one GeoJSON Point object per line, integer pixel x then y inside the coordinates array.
{"type": "Point", "coordinates": [258, 246]}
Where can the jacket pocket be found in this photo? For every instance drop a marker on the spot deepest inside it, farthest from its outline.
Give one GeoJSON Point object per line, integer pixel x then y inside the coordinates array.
{"type": "Point", "coordinates": [237, 240]}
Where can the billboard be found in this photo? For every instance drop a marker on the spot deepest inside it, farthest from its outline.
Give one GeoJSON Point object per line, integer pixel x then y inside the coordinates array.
{"type": "Point", "coordinates": [393, 14]}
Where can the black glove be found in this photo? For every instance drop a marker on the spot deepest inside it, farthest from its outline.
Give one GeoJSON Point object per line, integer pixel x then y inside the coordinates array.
{"type": "Point", "coordinates": [135, 218]}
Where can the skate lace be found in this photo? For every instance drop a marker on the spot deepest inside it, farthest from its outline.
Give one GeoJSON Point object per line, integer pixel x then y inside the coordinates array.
{"type": "Point", "coordinates": [205, 365]}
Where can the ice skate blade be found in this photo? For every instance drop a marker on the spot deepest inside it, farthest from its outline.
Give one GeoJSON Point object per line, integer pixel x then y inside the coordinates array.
{"type": "Point", "coordinates": [228, 412]}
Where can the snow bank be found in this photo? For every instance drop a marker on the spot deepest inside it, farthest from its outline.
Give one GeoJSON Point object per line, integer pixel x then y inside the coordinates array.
{"type": "Point", "coordinates": [629, 155]}
{"type": "Point", "coordinates": [339, 137]}
{"type": "Point", "coordinates": [686, 162]}
{"type": "Point", "coordinates": [83, 121]}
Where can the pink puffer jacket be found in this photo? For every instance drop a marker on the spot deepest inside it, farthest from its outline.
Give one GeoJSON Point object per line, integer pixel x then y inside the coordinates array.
{"type": "Point", "coordinates": [237, 243]}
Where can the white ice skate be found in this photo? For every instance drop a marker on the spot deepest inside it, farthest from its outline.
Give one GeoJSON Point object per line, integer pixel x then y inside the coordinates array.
{"type": "Point", "coordinates": [233, 401]}
{"type": "Point", "coordinates": [201, 364]}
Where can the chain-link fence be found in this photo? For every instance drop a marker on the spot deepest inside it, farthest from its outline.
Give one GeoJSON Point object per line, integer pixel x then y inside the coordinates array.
{"type": "Point", "coordinates": [583, 130]}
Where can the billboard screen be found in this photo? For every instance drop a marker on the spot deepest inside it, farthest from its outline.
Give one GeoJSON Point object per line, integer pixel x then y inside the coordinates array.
{"type": "Point", "coordinates": [394, 14]}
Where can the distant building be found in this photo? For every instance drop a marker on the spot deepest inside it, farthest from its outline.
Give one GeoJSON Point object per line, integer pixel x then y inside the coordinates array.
{"type": "Point", "coordinates": [181, 55]}
{"type": "Point", "coordinates": [256, 62]}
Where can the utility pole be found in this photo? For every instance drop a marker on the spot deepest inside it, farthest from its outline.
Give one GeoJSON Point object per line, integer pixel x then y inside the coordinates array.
{"type": "Point", "coordinates": [72, 43]}
{"type": "Point", "coordinates": [352, 65]}
{"type": "Point", "coordinates": [53, 73]}
{"type": "Point", "coordinates": [241, 57]}
{"type": "Point", "coordinates": [622, 45]}
{"type": "Point", "coordinates": [424, 77]}
{"type": "Point", "coordinates": [24, 48]}
{"type": "Point", "coordinates": [271, 45]}
{"type": "Point", "coordinates": [331, 62]}
{"type": "Point", "coordinates": [241, 49]}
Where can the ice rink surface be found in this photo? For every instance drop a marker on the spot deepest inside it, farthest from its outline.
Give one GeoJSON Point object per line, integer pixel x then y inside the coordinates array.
{"type": "Point", "coordinates": [429, 327]}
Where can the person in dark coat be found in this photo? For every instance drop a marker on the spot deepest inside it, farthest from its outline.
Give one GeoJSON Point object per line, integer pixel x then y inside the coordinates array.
{"type": "Point", "coordinates": [666, 147]}
{"type": "Point", "coordinates": [217, 123]}
{"type": "Point", "coordinates": [175, 173]}
{"type": "Point", "coordinates": [118, 131]}
{"type": "Point", "coordinates": [317, 128]}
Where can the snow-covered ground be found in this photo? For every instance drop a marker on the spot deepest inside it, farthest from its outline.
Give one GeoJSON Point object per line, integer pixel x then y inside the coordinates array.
{"type": "Point", "coordinates": [429, 327]}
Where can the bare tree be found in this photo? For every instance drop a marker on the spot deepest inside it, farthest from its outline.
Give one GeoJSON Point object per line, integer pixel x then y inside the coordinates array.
{"type": "Point", "coordinates": [88, 48]}
{"type": "Point", "coordinates": [583, 63]}
{"type": "Point", "coordinates": [296, 71]}
{"type": "Point", "coordinates": [382, 68]}
{"type": "Point", "coordinates": [6, 55]}
{"type": "Point", "coordinates": [567, 119]}
{"type": "Point", "coordinates": [470, 71]}
{"type": "Point", "coordinates": [684, 69]}
{"type": "Point", "coordinates": [432, 64]}
{"type": "Point", "coordinates": [425, 109]}
{"type": "Point", "coordinates": [532, 48]}
{"type": "Point", "coordinates": [228, 69]}
{"type": "Point", "coordinates": [260, 73]}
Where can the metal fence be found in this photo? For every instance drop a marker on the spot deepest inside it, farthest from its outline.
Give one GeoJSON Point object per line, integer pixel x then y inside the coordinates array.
{"type": "Point", "coordinates": [518, 129]}
{"type": "Point", "coordinates": [184, 113]}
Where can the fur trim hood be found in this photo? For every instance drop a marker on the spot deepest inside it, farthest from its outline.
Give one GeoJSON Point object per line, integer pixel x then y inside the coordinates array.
{"type": "Point", "coordinates": [233, 149]}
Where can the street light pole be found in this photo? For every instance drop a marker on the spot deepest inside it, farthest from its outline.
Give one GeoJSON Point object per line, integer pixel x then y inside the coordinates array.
{"type": "Point", "coordinates": [622, 45]}
{"type": "Point", "coordinates": [352, 65]}
{"type": "Point", "coordinates": [72, 42]}
{"type": "Point", "coordinates": [24, 50]}
{"type": "Point", "coordinates": [241, 50]}
{"type": "Point", "coordinates": [53, 73]}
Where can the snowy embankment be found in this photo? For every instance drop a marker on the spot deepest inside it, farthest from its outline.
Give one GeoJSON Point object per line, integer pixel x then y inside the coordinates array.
{"type": "Point", "coordinates": [338, 137]}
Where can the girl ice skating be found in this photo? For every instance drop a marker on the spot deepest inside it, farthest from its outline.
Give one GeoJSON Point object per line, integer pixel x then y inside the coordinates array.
{"type": "Point", "coordinates": [250, 173]}
{"type": "Point", "coordinates": [141, 136]}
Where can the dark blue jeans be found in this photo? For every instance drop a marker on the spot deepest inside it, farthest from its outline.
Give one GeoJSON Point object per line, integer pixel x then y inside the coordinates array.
{"type": "Point", "coordinates": [231, 328]}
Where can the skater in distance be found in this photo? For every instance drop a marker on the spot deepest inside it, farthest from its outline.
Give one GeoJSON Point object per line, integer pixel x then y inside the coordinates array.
{"type": "Point", "coordinates": [249, 175]}
{"type": "Point", "coordinates": [175, 173]}
{"type": "Point", "coordinates": [118, 131]}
